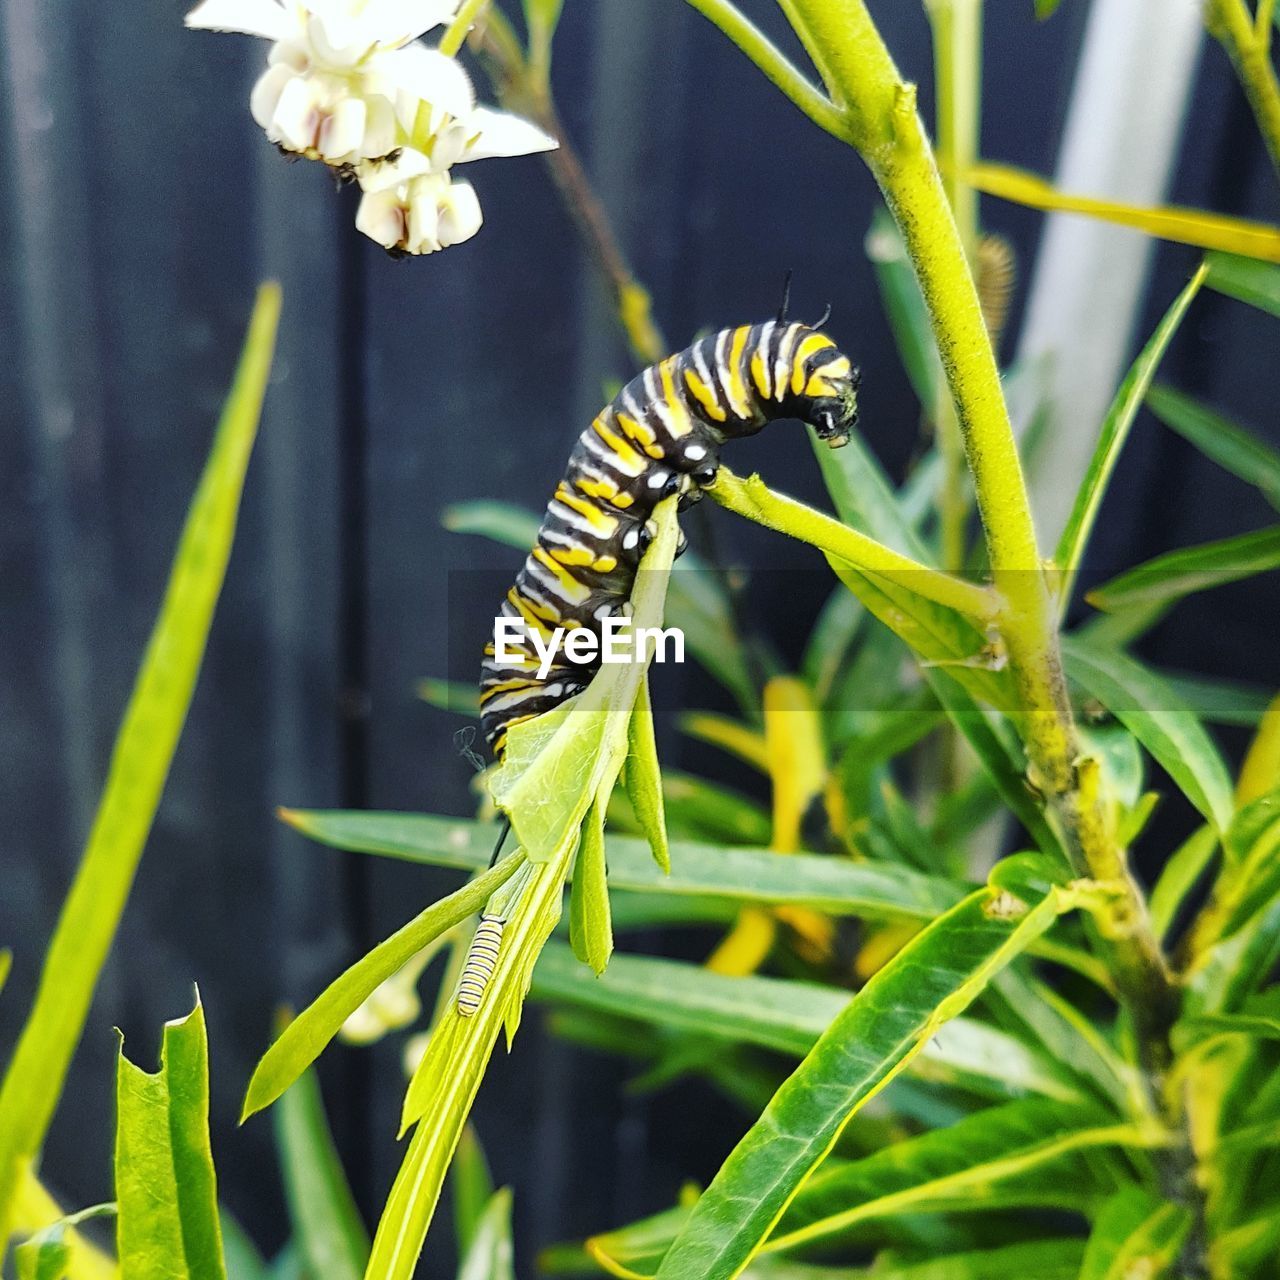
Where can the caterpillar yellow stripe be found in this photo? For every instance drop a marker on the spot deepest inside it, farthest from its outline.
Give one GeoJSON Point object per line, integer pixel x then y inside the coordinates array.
{"type": "Point", "coordinates": [660, 435]}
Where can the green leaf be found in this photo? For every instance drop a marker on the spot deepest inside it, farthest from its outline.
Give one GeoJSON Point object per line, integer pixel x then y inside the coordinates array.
{"type": "Point", "coordinates": [1227, 702]}
{"type": "Point", "coordinates": [305, 1037]}
{"type": "Point", "coordinates": [6, 966]}
{"type": "Point", "coordinates": [500, 521]}
{"type": "Point", "coordinates": [491, 1255]}
{"type": "Point", "coordinates": [472, 1185]}
{"type": "Point", "coordinates": [1246, 279]}
{"type": "Point", "coordinates": [786, 1017]}
{"type": "Point", "coordinates": [50, 1253]}
{"type": "Point", "coordinates": [243, 1260]}
{"type": "Point", "coordinates": [643, 778]}
{"type": "Point", "coordinates": [830, 640]}
{"type": "Point", "coordinates": [140, 760]}
{"type": "Point", "coordinates": [590, 928]}
{"type": "Point", "coordinates": [1179, 877]}
{"type": "Point", "coordinates": [905, 309]}
{"type": "Point", "coordinates": [451, 695]}
{"type": "Point", "coordinates": [1046, 8]}
{"type": "Point", "coordinates": [1112, 438]}
{"type": "Point", "coordinates": [326, 1223]}
{"type": "Point", "coordinates": [1038, 1259]}
{"type": "Point", "coordinates": [834, 885]}
{"type": "Point", "coordinates": [1136, 1234]}
{"type": "Point", "coordinates": [1179, 573]}
{"type": "Point", "coordinates": [901, 1008]}
{"type": "Point", "coordinates": [1022, 1155]}
{"type": "Point", "coordinates": [1150, 710]}
{"type": "Point", "coordinates": [1230, 446]}
{"type": "Point", "coordinates": [167, 1224]}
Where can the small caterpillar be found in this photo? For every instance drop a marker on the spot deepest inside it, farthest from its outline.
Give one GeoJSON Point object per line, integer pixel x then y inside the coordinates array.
{"type": "Point", "coordinates": [659, 436]}
{"type": "Point", "coordinates": [482, 956]}
{"type": "Point", "coordinates": [997, 273]}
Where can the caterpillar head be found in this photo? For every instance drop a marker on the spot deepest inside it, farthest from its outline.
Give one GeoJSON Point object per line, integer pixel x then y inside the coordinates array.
{"type": "Point", "coordinates": [833, 411]}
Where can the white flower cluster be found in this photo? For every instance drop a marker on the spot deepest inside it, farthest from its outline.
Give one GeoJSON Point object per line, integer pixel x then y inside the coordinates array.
{"type": "Point", "coordinates": [349, 83]}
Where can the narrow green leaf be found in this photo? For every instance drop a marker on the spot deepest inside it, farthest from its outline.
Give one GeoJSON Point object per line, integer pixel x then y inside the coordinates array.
{"type": "Point", "coordinates": [140, 760]}
{"type": "Point", "coordinates": [36, 1211]}
{"type": "Point", "coordinates": [491, 1255]}
{"type": "Point", "coordinates": [830, 641]}
{"type": "Point", "coordinates": [1022, 1155]}
{"type": "Point", "coordinates": [1227, 702]}
{"type": "Point", "coordinates": [643, 778]}
{"type": "Point", "coordinates": [1046, 8]}
{"type": "Point", "coordinates": [785, 1016]}
{"type": "Point", "coordinates": [1194, 1030]}
{"type": "Point", "coordinates": [1151, 711]}
{"type": "Point", "coordinates": [326, 1223]}
{"type": "Point", "coordinates": [905, 309]}
{"type": "Point", "coordinates": [1032, 1259]}
{"type": "Point", "coordinates": [50, 1254]}
{"type": "Point", "coordinates": [930, 981]}
{"type": "Point", "coordinates": [243, 1260]}
{"type": "Point", "coordinates": [1230, 446]}
{"type": "Point", "coordinates": [472, 1186]}
{"type": "Point", "coordinates": [167, 1224]}
{"type": "Point", "coordinates": [303, 1040]}
{"type": "Point", "coordinates": [1180, 876]}
{"type": "Point", "coordinates": [500, 521]}
{"type": "Point", "coordinates": [1175, 574]}
{"type": "Point", "coordinates": [1112, 438]}
{"type": "Point", "coordinates": [833, 885]}
{"type": "Point", "coordinates": [1246, 279]}
{"type": "Point", "coordinates": [451, 695]}
{"type": "Point", "coordinates": [1136, 1234]}
{"type": "Point", "coordinates": [590, 927]}
{"type": "Point", "coordinates": [6, 966]}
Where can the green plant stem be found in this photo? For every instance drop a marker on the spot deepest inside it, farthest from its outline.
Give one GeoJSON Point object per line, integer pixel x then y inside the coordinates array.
{"type": "Point", "coordinates": [773, 62]}
{"type": "Point", "coordinates": [456, 32]}
{"type": "Point", "coordinates": [957, 60]}
{"type": "Point", "coordinates": [754, 499]}
{"type": "Point", "coordinates": [885, 128]}
{"type": "Point", "coordinates": [1248, 45]}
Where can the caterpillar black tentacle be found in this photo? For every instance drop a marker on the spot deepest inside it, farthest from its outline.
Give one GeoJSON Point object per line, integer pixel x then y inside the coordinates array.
{"type": "Point", "coordinates": [482, 957]}
{"type": "Point", "coordinates": [659, 436]}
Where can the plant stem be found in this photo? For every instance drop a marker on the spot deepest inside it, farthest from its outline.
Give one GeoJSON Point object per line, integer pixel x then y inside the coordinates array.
{"type": "Point", "coordinates": [1249, 48]}
{"type": "Point", "coordinates": [773, 62]}
{"type": "Point", "coordinates": [957, 58]}
{"type": "Point", "coordinates": [754, 499]}
{"type": "Point", "coordinates": [521, 90]}
{"type": "Point", "coordinates": [456, 32]}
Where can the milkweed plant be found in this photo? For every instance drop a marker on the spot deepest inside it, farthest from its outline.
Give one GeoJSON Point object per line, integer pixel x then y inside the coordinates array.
{"type": "Point", "coordinates": [964, 1038]}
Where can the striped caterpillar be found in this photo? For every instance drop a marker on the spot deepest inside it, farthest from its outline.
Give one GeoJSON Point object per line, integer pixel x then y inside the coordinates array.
{"type": "Point", "coordinates": [659, 436]}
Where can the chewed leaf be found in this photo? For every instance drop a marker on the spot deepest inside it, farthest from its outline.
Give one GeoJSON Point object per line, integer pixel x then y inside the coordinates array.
{"type": "Point", "coordinates": [167, 1221]}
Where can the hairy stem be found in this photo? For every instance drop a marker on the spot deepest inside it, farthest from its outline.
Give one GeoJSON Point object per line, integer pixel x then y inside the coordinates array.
{"type": "Point", "coordinates": [1248, 45]}
{"type": "Point", "coordinates": [885, 128]}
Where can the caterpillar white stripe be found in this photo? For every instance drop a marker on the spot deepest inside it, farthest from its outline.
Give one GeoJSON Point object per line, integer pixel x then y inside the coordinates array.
{"type": "Point", "coordinates": [482, 956]}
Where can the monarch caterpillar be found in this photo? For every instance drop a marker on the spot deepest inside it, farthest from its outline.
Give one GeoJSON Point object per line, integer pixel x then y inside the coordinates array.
{"type": "Point", "coordinates": [482, 956]}
{"type": "Point", "coordinates": [659, 436]}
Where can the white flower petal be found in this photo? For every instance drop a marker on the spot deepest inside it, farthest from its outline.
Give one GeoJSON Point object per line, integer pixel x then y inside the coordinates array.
{"type": "Point", "coordinates": [263, 18]}
{"type": "Point", "coordinates": [393, 173]}
{"type": "Point", "coordinates": [424, 74]}
{"type": "Point", "coordinates": [342, 131]}
{"type": "Point", "coordinates": [265, 97]}
{"type": "Point", "coordinates": [502, 134]}
{"type": "Point", "coordinates": [297, 116]}
{"type": "Point", "coordinates": [460, 215]}
{"type": "Point", "coordinates": [448, 145]}
{"type": "Point", "coordinates": [424, 221]}
{"type": "Point", "coordinates": [382, 217]}
{"type": "Point", "coordinates": [379, 130]}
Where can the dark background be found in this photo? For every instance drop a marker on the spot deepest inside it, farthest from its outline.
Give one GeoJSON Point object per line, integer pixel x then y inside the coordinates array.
{"type": "Point", "coordinates": [139, 205]}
